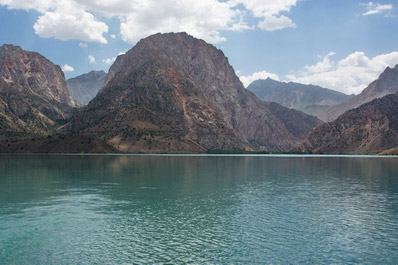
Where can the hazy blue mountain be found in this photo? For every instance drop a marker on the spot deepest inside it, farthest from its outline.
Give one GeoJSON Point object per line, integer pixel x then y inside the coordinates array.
{"type": "Point", "coordinates": [85, 87]}
{"type": "Point", "coordinates": [310, 99]}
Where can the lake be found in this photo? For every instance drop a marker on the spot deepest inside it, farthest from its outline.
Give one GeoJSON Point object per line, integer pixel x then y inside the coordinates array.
{"type": "Point", "coordinates": [118, 209]}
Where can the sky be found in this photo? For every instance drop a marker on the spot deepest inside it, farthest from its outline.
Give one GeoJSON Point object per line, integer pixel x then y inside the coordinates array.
{"type": "Point", "coordinates": [341, 44]}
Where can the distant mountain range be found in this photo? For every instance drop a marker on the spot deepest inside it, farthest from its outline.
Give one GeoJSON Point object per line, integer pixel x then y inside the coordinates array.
{"type": "Point", "coordinates": [85, 87]}
{"type": "Point", "coordinates": [172, 93]}
{"type": "Point", "coordinates": [387, 83]}
{"type": "Point", "coordinates": [310, 99]}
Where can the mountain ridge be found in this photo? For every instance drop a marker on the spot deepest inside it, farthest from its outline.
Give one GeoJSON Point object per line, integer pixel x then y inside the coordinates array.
{"type": "Point", "coordinates": [85, 87]}
{"type": "Point", "coordinates": [370, 128]}
{"type": "Point", "coordinates": [310, 99]}
{"type": "Point", "coordinates": [387, 83]}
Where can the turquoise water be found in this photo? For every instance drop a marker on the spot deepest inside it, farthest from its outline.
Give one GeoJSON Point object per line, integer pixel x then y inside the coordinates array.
{"type": "Point", "coordinates": [60, 209]}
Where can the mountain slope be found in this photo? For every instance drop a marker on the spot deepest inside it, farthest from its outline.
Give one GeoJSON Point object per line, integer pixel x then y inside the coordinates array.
{"type": "Point", "coordinates": [387, 83]}
{"type": "Point", "coordinates": [176, 85]}
{"type": "Point", "coordinates": [33, 94]}
{"type": "Point", "coordinates": [310, 99]}
{"type": "Point", "coordinates": [371, 128]}
{"type": "Point", "coordinates": [154, 108]}
{"type": "Point", "coordinates": [85, 87]}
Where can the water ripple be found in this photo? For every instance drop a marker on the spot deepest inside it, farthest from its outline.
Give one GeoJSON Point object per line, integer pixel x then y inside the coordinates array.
{"type": "Point", "coordinates": [245, 210]}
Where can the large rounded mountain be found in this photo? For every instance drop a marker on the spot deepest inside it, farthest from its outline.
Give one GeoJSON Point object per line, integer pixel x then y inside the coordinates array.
{"type": "Point", "coordinates": [176, 93]}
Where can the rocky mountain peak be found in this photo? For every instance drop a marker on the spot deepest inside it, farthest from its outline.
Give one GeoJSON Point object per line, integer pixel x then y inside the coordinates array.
{"type": "Point", "coordinates": [387, 83]}
{"type": "Point", "coordinates": [137, 79]}
{"type": "Point", "coordinates": [32, 70]}
{"type": "Point", "coordinates": [34, 97]}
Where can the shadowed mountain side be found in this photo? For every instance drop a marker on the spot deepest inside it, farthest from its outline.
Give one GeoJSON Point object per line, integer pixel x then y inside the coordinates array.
{"type": "Point", "coordinates": [371, 128]}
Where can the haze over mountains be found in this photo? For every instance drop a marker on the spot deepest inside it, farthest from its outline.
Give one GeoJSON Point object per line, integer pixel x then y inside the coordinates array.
{"type": "Point", "coordinates": [310, 99]}
{"type": "Point", "coordinates": [172, 93]}
{"type": "Point", "coordinates": [85, 87]}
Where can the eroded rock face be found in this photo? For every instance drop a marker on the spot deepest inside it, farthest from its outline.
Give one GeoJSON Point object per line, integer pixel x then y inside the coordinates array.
{"type": "Point", "coordinates": [85, 87]}
{"type": "Point", "coordinates": [310, 99]}
{"type": "Point", "coordinates": [387, 83]}
{"type": "Point", "coordinates": [371, 128]}
{"type": "Point", "coordinates": [208, 70]}
{"type": "Point", "coordinates": [33, 94]}
{"type": "Point", "coordinates": [152, 107]}
{"type": "Point", "coordinates": [33, 71]}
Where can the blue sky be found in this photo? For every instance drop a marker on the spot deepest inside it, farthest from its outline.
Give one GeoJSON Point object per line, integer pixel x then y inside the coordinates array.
{"type": "Point", "coordinates": [339, 44]}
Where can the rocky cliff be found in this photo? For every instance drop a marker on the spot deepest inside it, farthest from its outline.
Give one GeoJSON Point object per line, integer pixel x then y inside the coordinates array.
{"type": "Point", "coordinates": [310, 99]}
{"type": "Point", "coordinates": [33, 94]}
{"type": "Point", "coordinates": [387, 83]}
{"type": "Point", "coordinates": [371, 128]}
{"type": "Point", "coordinates": [175, 93]}
{"type": "Point", "coordinates": [85, 87]}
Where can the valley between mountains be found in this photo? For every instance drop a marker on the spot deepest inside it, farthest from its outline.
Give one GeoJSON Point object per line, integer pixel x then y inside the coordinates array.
{"type": "Point", "coordinates": [173, 93]}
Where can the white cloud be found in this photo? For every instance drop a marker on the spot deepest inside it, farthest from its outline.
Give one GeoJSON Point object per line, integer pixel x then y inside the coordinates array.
{"type": "Point", "coordinates": [67, 68]}
{"type": "Point", "coordinates": [270, 11]}
{"type": "Point", "coordinates": [321, 66]}
{"type": "Point", "coordinates": [91, 59]}
{"type": "Point", "coordinates": [206, 19]}
{"type": "Point", "coordinates": [78, 25]}
{"type": "Point", "coordinates": [375, 8]}
{"type": "Point", "coordinates": [349, 75]}
{"type": "Point", "coordinates": [113, 36]}
{"type": "Point", "coordinates": [109, 60]}
{"type": "Point", "coordinates": [83, 45]}
{"type": "Point", "coordinates": [203, 19]}
{"type": "Point", "coordinates": [264, 8]}
{"type": "Point", "coordinates": [247, 80]}
{"type": "Point", "coordinates": [272, 23]}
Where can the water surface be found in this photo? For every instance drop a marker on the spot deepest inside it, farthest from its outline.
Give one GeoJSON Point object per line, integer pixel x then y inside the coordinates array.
{"type": "Point", "coordinates": [75, 209]}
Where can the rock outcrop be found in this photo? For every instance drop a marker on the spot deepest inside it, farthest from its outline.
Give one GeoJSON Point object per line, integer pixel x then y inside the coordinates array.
{"type": "Point", "coordinates": [175, 93]}
{"type": "Point", "coordinates": [34, 97]}
{"type": "Point", "coordinates": [387, 83]}
{"type": "Point", "coordinates": [310, 99]}
{"type": "Point", "coordinates": [85, 87]}
{"type": "Point", "coordinates": [371, 128]}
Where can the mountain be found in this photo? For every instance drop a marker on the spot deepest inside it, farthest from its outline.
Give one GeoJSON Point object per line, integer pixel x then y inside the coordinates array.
{"type": "Point", "coordinates": [310, 99]}
{"type": "Point", "coordinates": [371, 128]}
{"type": "Point", "coordinates": [34, 97]}
{"type": "Point", "coordinates": [85, 87]}
{"type": "Point", "coordinates": [387, 83]}
{"type": "Point", "coordinates": [174, 93]}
